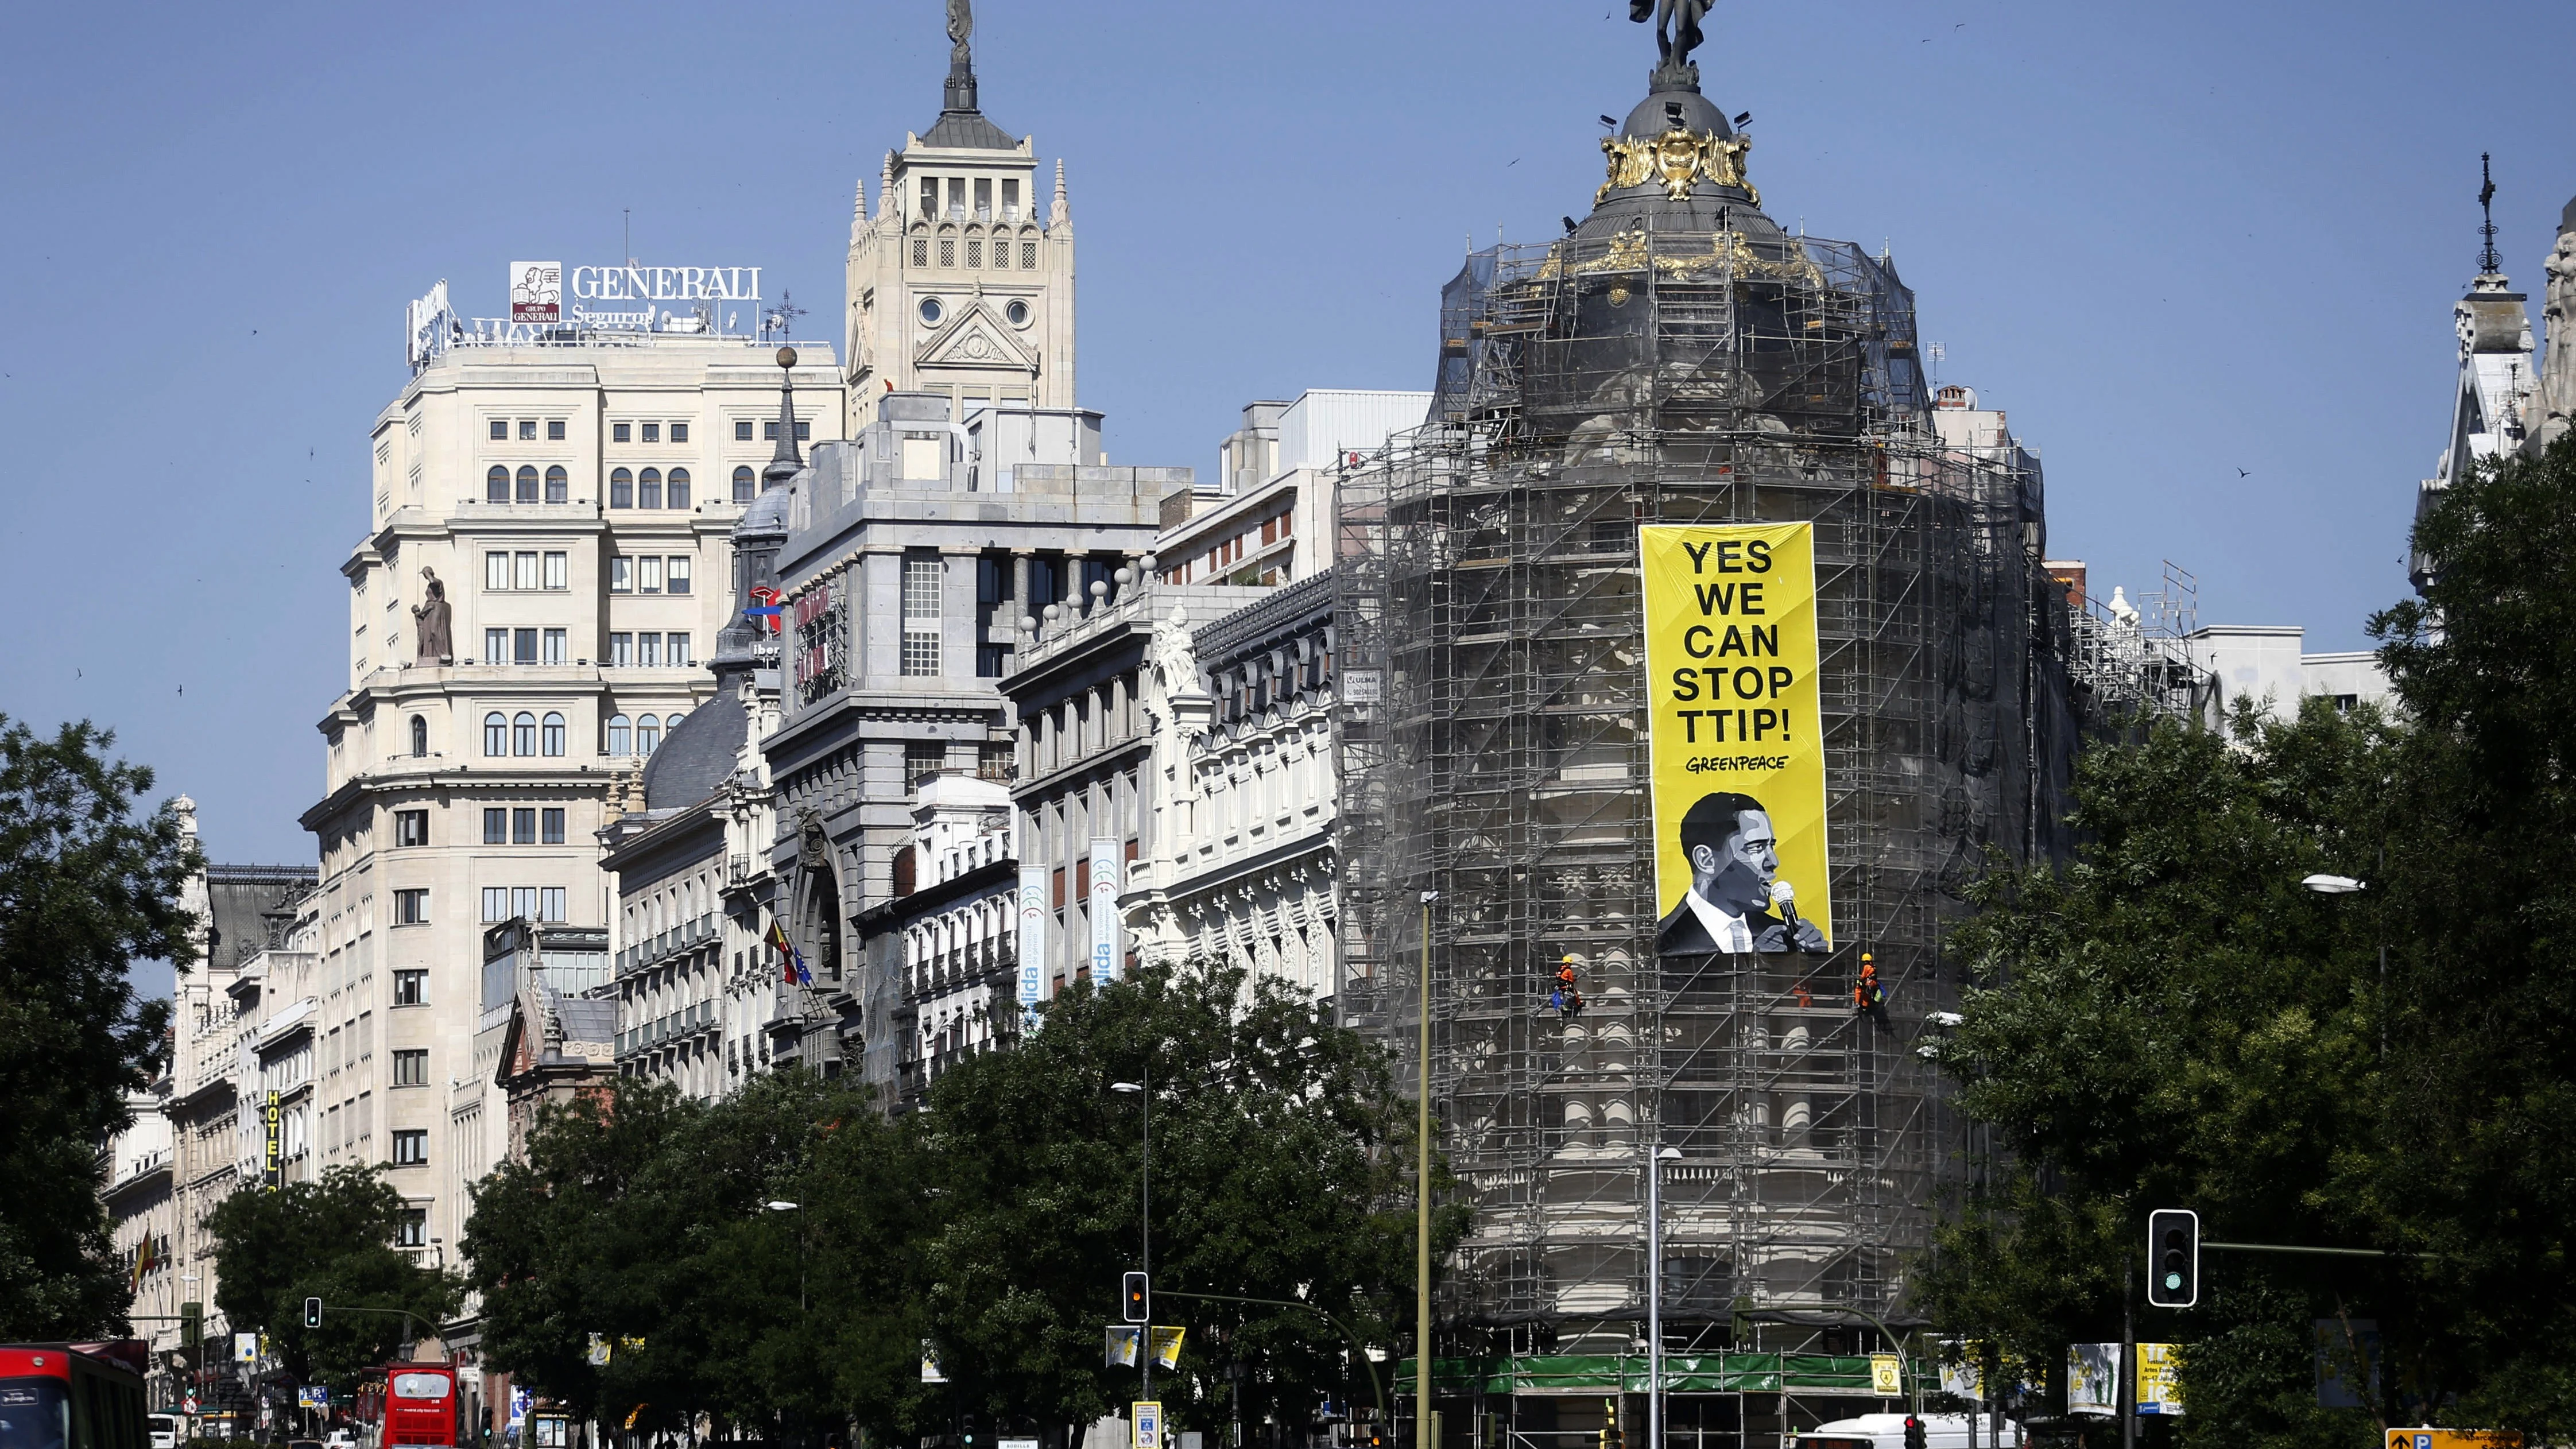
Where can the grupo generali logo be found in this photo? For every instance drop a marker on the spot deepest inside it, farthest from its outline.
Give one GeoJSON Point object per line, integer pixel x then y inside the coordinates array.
{"type": "Point", "coordinates": [536, 291]}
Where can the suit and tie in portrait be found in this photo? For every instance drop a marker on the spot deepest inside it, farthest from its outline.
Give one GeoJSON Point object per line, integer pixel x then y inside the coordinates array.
{"type": "Point", "coordinates": [1735, 863]}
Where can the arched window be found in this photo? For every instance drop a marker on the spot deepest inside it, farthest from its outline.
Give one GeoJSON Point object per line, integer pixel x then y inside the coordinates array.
{"type": "Point", "coordinates": [419, 735]}
{"type": "Point", "coordinates": [496, 734]}
{"type": "Point", "coordinates": [648, 489]}
{"type": "Point", "coordinates": [558, 485]}
{"type": "Point", "coordinates": [742, 484]}
{"type": "Point", "coordinates": [496, 485]}
{"type": "Point", "coordinates": [523, 734]}
{"type": "Point", "coordinates": [671, 722]}
{"type": "Point", "coordinates": [620, 741]}
{"type": "Point", "coordinates": [678, 497]}
{"type": "Point", "coordinates": [621, 489]}
{"type": "Point", "coordinates": [554, 735]}
{"type": "Point", "coordinates": [648, 735]}
{"type": "Point", "coordinates": [527, 483]}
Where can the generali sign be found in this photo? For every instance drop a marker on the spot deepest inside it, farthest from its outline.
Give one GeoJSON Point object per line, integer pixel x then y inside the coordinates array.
{"type": "Point", "coordinates": [666, 284]}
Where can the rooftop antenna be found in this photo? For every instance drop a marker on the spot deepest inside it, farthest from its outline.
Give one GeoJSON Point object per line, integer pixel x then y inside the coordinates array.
{"type": "Point", "coordinates": [784, 319]}
{"type": "Point", "coordinates": [2487, 261]}
{"type": "Point", "coordinates": [630, 235]}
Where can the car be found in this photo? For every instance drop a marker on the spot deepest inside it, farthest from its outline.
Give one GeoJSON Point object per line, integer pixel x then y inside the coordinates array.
{"type": "Point", "coordinates": [165, 1430]}
{"type": "Point", "coordinates": [340, 1439]}
{"type": "Point", "coordinates": [1887, 1431]}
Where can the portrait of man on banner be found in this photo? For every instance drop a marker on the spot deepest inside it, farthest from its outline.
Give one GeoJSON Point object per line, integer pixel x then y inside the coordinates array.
{"type": "Point", "coordinates": [1735, 885]}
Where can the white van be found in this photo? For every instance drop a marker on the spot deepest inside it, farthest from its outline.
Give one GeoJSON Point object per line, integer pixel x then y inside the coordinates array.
{"type": "Point", "coordinates": [165, 1430]}
{"type": "Point", "coordinates": [1887, 1431]}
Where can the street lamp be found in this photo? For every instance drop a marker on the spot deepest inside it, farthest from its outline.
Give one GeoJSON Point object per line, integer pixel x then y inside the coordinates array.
{"type": "Point", "coordinates": [2332, 885]}
{"type": "Point", "coordinates": [1143, 1091]}
{"type": "Point", "coordinates": [777, 1205]}
{"type": "Point", "coordinates": [2344, 885]}
{"type": "Point", "coordinates": [1655, 1294]}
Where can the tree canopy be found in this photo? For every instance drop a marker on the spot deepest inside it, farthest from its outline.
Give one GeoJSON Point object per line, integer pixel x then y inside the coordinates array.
{"type": "Point", "coordinates": [87, 888]}
{"type": "Point", "coordinates": [331, 1239]}
{"type": "Point", "coordinates": [2174, 1020]}
{"type": "Point", "coordinates": [782, 1258]}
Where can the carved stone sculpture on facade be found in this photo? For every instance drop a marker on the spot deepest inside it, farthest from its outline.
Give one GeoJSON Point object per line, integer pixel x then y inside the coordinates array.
{"type": "Point", "coordinates": [2557, 401]}
{"type": "Point", "coordinates": [431, 625]}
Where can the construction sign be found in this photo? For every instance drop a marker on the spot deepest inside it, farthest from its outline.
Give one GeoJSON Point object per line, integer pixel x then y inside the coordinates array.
{"type": "Point", "coordinates": [1736, 737]}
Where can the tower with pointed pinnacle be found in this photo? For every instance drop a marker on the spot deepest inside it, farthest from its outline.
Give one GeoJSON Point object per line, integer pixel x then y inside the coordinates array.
{"type": "Point", "coordinates": [957, 286]}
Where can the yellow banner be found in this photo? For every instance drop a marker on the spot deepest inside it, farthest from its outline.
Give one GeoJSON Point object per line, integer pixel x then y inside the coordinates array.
{"type": "Point", "coordinates": [1736, 737]}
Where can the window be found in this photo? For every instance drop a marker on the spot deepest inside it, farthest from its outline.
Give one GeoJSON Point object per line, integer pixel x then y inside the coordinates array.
{"type": "Point", "coordinates": [558, 571]}
{"type": "Point", "coordinates": [648, 732]}
{"type": "Point", "coordinates": [648, 575]}
{"type": "Point", "coordinates": [1029, 255]}
{"type": "Point", "coordinates": [621, 649]}
{"type": "Point", "coordinates": [948, 251]}
{"type": "Point", "coordinates": [411, 827]}
{"type": "Point", "coordinates": [621, 432]}
{"type": "Point", "coordinates": [652, 432]}
{"type": "Point", "coordinates": [411, 988]}
{"type": "Point", "coordinates": [496, 570]}
{"type": "Point", "coordinates": [648, 650]}
{"type": "Point", "coordinates": [648, 488]}
{"type": "Point", "coordinates": [496, 904]}
{"type": "Point", "coordinates": [523, 650]}
{"type": "Point", "coordinates": [922, 757]}
{"type": "Point", "coordinates": [411, 1230]}
{"type": "Point", "coordinates": [496, 826]}
{"type": "Point", "coordinates": [742, 434]}
{"type": "Point", "coordinates": [554, 650]}
{"type": "Point", "coordinates": [679, 492]}
{"type": "Point", "coordinates": [678, 574]}
{"type": "Point", "coordinates": [553, 728]}
{"type": "Point", "coordinates": [527, 483]}
{"type": "Point", "coordinates": [523, 902]}
{"type": "Point", "coordinates": [411, 1067]}
{"type": "Point", "coordinates": [523, 573]}
{"type": "Point", "coordinates": [523, 827]}
{"type": "Point", "coordinates": [921, 251]}
{"type": "Point", "coordinates": [553, 831]}
{"type": "Point", "coordinates": [619, 735]}
{"type": "Point", "coordinates": [523, 731]}
{"type": "Point", "coordinates": [496, 485]}
{"type": "Point", "coordinates": [411, 1147]}
{"type": "Point", "coordinates": [496, 646]}
{"type": "Point", "coordinates": [679, 432]}
{"type": "Point", "coordinates": [921, 582]}
{"type": "Point", "coordinates": [496, 734]}
{"type": "Point", "coordinates": [621, 575]}
{"type": "Point", "coordinates": [769, 432]}
{"type": "Point", "coordinates": [558, 484]}
{"type": "Point", "coordinates": [742, 476]}
{"type": "Point", "coordinates": [675, 650]}
{"type": "Point", "coordinates": [411, 907]}
{"type": "Point", "coordinates": [419, 735]}
{"type": "Point", "coordinates": [550, 904]}
{"type": "Point", "coordinates": [500, 430]}
{"type": "Point", "coordinates": [975, 252]}
{"type": "Point", "coordinates": [554, 430]}
{"type": "Point", "coordinates": [671, 722]}
{"type": "Point", "coordinates": [804, 430]}
{"type": "Point", "coordinates": [527, 430]}
{"type": "Point", "coordinates": [621, 488]}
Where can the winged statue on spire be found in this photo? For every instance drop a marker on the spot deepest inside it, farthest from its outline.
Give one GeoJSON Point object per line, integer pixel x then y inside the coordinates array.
{"type": "Point", "coordinates": [1677, 30]}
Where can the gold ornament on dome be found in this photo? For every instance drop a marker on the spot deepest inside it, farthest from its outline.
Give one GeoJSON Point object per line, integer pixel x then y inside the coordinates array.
{"type": "Point", "coordinates": [1679, 159]}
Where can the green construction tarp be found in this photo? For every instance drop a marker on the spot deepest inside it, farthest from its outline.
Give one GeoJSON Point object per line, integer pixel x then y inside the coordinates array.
{"type": "Point", "coordinates": [1684, 1373]}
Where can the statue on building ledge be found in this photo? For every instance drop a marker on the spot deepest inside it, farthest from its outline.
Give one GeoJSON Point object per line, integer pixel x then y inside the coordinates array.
{"type": "Point", "coordinates": [1677, 34]}
{"type": "Point", "coordinates": [430, 625]}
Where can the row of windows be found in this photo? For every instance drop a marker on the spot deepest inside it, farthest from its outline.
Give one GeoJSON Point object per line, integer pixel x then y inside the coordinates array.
{"type": "Point", "coordinates": [769, 434]}
{"type": "Point", "coordinates": [651, 432]}
{"type": "Point", "coordinates": [523, 646]}
{"type": "Point", "coordinates": [983, 197]}
{"type": "Point", "coordinates": [628, 574]}
{"type": "Point", "coordinates": [528, 430]}
{"type": "Point", "coordinates": [628, 489]}
{"type": "Point", "coordinates": [498, 488]}
{"type": "Point", "coordinates": [503, 571]}
{"type": "Point", "coordinates": [642, 738]}
{"type": "Point", "coordinates": [648, 651]}
{"type": "Point", "coordinates": [535, 903]}
{"type": "Point", "coordinates": [522, 735]}
{"type": "Point", "coordinates": [522, 826]}
{"type": "Point", "coordinates": [975, 253]}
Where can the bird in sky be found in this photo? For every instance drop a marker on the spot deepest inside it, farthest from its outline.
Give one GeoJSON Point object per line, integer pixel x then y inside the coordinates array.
{"type": "Point", "coordinates": [2244, 473]}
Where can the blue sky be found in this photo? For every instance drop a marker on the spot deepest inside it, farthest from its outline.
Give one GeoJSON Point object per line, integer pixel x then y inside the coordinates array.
{"type": "Point", "coordinates": [2171, 240]}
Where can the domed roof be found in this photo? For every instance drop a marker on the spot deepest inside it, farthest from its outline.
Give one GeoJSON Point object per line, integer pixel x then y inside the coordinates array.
{"type": "Point", "coordinates": [698, 755]}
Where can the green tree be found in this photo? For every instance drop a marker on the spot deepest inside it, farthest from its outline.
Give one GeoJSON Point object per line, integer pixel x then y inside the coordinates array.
{"type": "Point", "coordinates": [332, 1239]}
{"type": "Point", "coordinates": [1280, 1170]}
{"type": "Point", "coordinates": [86, 889]}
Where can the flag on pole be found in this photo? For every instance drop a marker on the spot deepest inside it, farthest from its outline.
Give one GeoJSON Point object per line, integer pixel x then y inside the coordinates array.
{"type": "Point", "coordinates": [791, 962]}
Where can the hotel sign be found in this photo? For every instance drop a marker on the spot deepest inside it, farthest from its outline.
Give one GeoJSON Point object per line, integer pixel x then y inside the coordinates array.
{"type": "Point", "coordinates": [664, 284]}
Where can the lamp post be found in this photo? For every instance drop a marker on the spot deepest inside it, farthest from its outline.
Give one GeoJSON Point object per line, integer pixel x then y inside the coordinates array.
{"type": "Point", "coordinates": [2344, 885]}
{"type": "Point", "coordinates": [1422, 1201]}
{"type": "Point", "coordinates": [789, 1207]}
{"type": "Point", "coordinates": [1655, 1293]}
{"type": "Point", "coordinates": [1143, 1091]}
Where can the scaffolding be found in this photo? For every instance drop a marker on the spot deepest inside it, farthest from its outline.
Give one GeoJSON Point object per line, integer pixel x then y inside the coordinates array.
{"type": "Point", "coordinates": [1494, 751]}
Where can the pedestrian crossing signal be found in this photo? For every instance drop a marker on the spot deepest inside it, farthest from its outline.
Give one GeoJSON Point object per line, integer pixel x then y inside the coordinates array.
{"type": "Point", "coordinates": [2173, 1258]}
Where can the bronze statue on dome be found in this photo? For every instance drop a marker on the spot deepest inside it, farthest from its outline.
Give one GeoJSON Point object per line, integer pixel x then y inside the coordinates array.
{"type": "Point", "coordinates": [1677, 34]}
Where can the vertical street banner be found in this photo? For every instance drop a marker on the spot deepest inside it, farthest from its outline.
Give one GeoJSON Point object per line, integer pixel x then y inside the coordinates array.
{"type": "Point", "coordinates": [1735, 737]}
{"type": "Point", "coordinates": [1106, 868]}
{"type": "Point", "coordinates": [1033, 924]}
{"type": "Point", "coordinates": [272, 1170]}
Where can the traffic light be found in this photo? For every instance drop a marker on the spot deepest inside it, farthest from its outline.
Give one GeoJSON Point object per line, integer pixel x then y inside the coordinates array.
{"type": "Point", "coordinates": [2173, 1258]}
{"type": "Point", "coordinates": [1914, 1436]}
{"type": "Point", "coordinates": [1136, 1298]}
{"type": "Point", "coordinates": [313, 1313]}
{"type": "Point", "coordinates": [192, 1324]}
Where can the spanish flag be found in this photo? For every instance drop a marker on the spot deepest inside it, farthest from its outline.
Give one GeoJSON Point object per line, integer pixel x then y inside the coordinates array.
{"type": "Point", "coordinates": [791, 962]}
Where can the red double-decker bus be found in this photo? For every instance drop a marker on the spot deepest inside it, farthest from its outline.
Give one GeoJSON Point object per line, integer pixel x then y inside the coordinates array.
{"type": "Point", "coordinates": [422, 1408]}
{"type": "Point", "coordinates": [72, 1396]}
